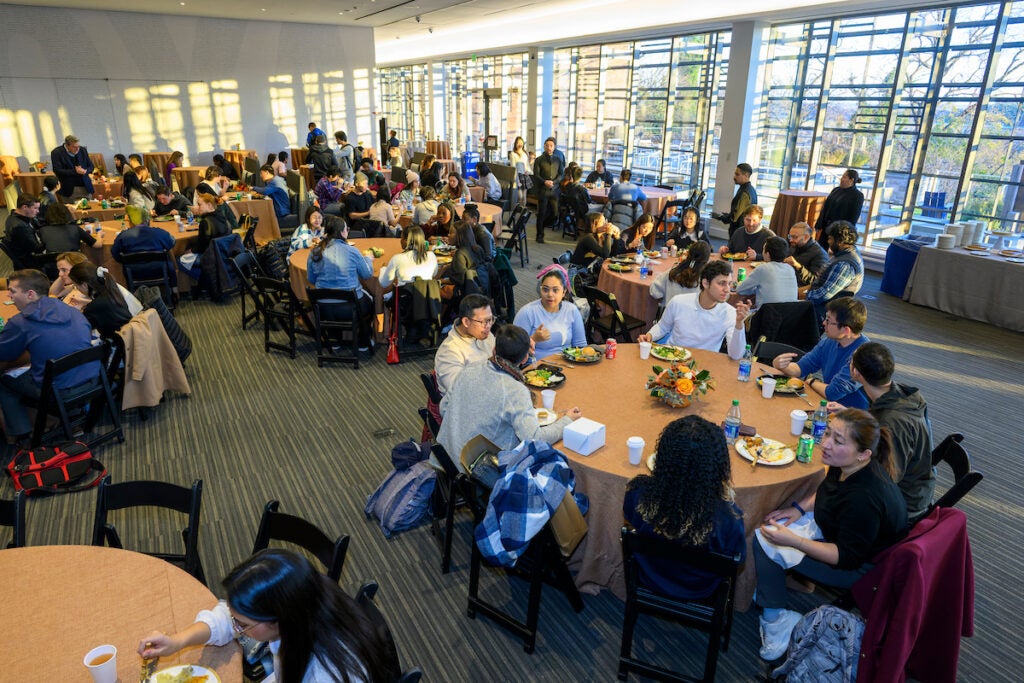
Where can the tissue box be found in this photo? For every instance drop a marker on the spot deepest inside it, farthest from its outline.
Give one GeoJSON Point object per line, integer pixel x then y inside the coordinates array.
{"type": "Point", "coordinates": [583, 436]}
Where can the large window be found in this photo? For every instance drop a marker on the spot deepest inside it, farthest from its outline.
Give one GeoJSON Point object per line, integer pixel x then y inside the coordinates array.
{"type": "Point", "coordinates": [926, 105]}
{"type": "Point", "coordinates": [405, 99]}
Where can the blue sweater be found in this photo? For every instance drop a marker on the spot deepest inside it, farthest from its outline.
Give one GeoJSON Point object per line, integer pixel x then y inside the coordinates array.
{"type": "Point", "coordinates": [49, 329]}
{"type": "Point", "coordinates": [565, 326]}
{"type": "Point", "coordinates": [833, 361]}
{"type": "Point", "coordinates": [141, 238]}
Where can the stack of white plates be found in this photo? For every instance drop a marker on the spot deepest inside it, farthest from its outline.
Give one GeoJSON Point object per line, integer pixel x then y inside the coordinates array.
{"type": "Point", "coordinates": [946, 241]}
{"type": "Point", "coordinates": [956, 231]}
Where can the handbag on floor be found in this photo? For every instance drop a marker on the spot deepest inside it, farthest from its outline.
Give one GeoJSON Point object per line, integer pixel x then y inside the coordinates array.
{"type": "Point", "coordinates": [64, 468]}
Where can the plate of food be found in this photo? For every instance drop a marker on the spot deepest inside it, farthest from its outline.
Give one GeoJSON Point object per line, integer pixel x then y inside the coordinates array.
{"type": "Point", "coordinates": [670, 353]}
{"type": "Point", "coordinates": [650, 461]}
{"type": "Point", "coordinates": [976, 247]}
{"type": "Point", "coordinates": [160, 219]}
{"type": "Point", "coordinates": [544, 377]}
{"type": "Point", "coordinates": [184, 673]}
{"type": "Point", "coordinates": [737, 256]}
{"type": "Point", "coordinates": [620, 267]}
{"type": "Point", "coordinates": [785, 385]}
{"type": "Point", "coordinates": [582, 354]}
{"type": "Point", "coordinates": [545, 416]}
{"type": "Point", "coordinates": [652, 254]}
{"type": "Point", "coordinates": [1015, 253]}
{"type": "Point", "coordinates": [768, 451]}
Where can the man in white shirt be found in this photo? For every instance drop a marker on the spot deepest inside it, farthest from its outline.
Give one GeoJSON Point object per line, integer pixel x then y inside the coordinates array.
{"type": "Point", "coordinates": [469, 340]}
{"type": "Point", "coordinates": [703, 320]}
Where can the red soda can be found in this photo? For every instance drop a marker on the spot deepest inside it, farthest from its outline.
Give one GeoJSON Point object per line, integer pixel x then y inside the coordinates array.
{"type": "Point", "coordinates": [610, 348]}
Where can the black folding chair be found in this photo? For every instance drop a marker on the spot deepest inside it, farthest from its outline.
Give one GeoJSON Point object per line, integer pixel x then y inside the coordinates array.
{"type": "Point", "coordinates": [952, 452]}
{"type": "Point", "coordinates": [152, 268]}
{"type": "Point", "coordinates": [248, 268]}
{"type": "Point", "coordinates": [364, 598]}
{"type": "Point", "coordinates": [279, 526]}
{"type": "Point", "coordinates": [12, 514]}
{"type": "Point", "coordinates": [281, 307]}
{"type": "Point", "coordinates": [612, 325]}
{"type": "Point", "coordinates": [329, 331]}
{"type": "Point", "coordinates": [452, 494]}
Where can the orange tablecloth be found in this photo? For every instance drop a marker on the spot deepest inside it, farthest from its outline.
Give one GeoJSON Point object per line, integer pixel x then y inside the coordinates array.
{"type": "Point", "coordinates": [107, 188]}
{"type": "Point", "coordinates": [106, 596]}
{"type": "Point", "coordinates": [160, 159]}
{"type": "Point", "coordinates": [237, 159]}
{"type": "Point", "coordinates": [267, 229]}
{"type": "Point", "coordinates": [477, 193]}
{"type": "Point", "coordinates": [603, 474]}
{"type": "Point", "coordinates": [439, 148]}
{"type": "Point", "coordinates": [100, 254]}
{"type": "Point", "coordinates": [390, 245]}
{"type": "Point", "coordinates": [187, 176]}
{"type": "Point", "coordinates": [657, 197]}
{"type": "Point", "coordinates": [30, 183]}
{"type": "Point", "coordinates": [634, 295]}
{"type": "Point", "coordinates": [298, 155]}
{"type": "Point", "coordinates": [97, 211]}
{"type": "Point", "coordinates": [794, 206]}
{"type": "Point", "coordinates": [307, 173]}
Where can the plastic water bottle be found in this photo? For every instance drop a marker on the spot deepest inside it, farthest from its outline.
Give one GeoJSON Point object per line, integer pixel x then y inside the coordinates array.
{"type": "Point", "coordinates": [819, 421]}
{"type": "Point", "coordinates": [639, 258]}
{"type": "Point", "coordinates": [745, 363]}
{"type": "Point", "coordinates": [733, 422]}
{"type": "Point", "coordinates": [189, 217]}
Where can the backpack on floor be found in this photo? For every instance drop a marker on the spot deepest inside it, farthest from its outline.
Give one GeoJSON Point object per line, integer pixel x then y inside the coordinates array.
{"type": "Point", "coordinates": [824, 648]}
{"type": "Point", "coordinates": [402, 501]}
{"type": "Point", "coordinates": [64, 468]}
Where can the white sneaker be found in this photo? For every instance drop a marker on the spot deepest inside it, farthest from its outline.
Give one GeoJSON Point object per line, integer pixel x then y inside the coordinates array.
{"type": "Point", "coordinates": [775, 634]}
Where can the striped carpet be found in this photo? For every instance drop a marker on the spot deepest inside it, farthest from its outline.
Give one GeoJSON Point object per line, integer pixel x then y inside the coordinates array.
{"type": "Point", "coordinates": [261, 426]}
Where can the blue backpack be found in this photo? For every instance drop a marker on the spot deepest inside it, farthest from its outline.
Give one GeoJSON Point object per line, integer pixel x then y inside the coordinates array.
{"type": "Point", "coordinates": [402, 501]}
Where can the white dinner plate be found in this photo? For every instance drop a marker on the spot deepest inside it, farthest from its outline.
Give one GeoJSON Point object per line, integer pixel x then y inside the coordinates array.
{"type": "Point", "coordinates": [545, 416]}
{"type": "Point", "coordinates": [669, 352]}
{"type": "Point", "coordinates": [172, 671]}
{"type": "Point", "coordinates": [788, 456]}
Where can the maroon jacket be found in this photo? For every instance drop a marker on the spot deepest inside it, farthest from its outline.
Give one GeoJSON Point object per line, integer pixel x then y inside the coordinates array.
{"type": "Point", "coordinates": [918, 600]}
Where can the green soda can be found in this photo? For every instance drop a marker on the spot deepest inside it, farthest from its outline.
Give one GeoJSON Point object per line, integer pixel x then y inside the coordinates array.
{"type": "Point", "coordinates": [805, 448]}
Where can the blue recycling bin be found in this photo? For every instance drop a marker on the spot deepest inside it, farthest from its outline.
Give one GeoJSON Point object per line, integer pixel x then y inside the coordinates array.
{"type": "Point", "coordinates": [899, 261]}
{"type": "Point", "coordinates": [469, 162]}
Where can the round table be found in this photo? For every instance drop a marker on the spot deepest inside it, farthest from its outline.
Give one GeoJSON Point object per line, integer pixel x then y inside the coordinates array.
{"type": "Point", "coordinates": [634, 294]}
{"type": "Point", "coordinates": [391, 246]}
{"type": "Point", "coordinates": [96, 211]}
{"type": "Point", "coordinates": [187, 176]}
{"type": "Point", "coordinates": [657, 197]}
{"type": "Point", "coordinates": [237, 157]}
{"type": "Point", "coordinates": [603, 474]}
{"type": "Point", "coordinates": [71, 598]}
{"type": "Point", "coordinates": [159, 160]}
{"type": "Point", "coordinates": [795, 206]}
{"type": "Point", "coordinates": [489, 213]}
{"type": "Point", "coordinates": [100, 254]}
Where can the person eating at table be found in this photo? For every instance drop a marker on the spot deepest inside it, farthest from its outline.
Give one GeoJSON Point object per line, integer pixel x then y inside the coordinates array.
{"type": "Point", "coordinates": [689, 231]}
{"type": "Point", "coordinates": [469, 262]}
{"type": "Point", "coordinates": [22, 240]}
{"type": "Point", "coordinates": [141, 236]}
{"type": "Point", "coordinates": [750, 240]}
{"type": "Point", "coordinates": [309, 233]}
{"type": "Point", "coordinates": [61, 233]}
{"type": "Point", "coordinates": [107, 305]}
{"type": "Point", "coordinates": [316, 632]}
{"type": "Point", "coordinates": [330, 191]}
{"type": "Point", "coordinates": [279, 162]}
{"type": "Point", "coordinates": [336, 264]}
{"type": "Point", "coordinates": [121, 164]}
{"type": "Point", "coordinates": [358, 199]}
{"type": "Point", "coordinates": [430, 171]}
{"type": "Point", "coordinates": [382, 212]}
{"type": "Point", "coordinates": [600, 173]}
{"type": "Point", "coordinates": [485, 239]}
{"type": "Point", "coordinates": [488, 181]}
{"type": "Point", "coordinates": [772, 282]}
{"type": "Point", "coordinates": [684, 277]}
{"type": "Point", "coordinates": [227, 169]}
{"type": "Point", "coordinates": [73, 167]}
{"type": "Point", "coordinates": [374, 177]}
{"type": "Point", "coordinates": [48, 329]}
{"type": "Point", "coordinates": [62, 286]}
{"type": "Point", "coordinates": [469, 340]}
{"type": "Point", "coordinates": [640, 234]}
{"type": "Point", "coordinates": [410, 193]}
{"type": "Point", "coordinates": [573, 195]}
{"type": "Point", "coordinates": [704, 320]}
{"type": "Point", "coordinates": [843, 274]}
{"type": "Point", "coordinates": [136, 165]}
{"type": "Point", "coordinates": [600, 240]}
{"type": "Point", "coordinates": [806, 256]}
{"type": "Point", "coordinates": [213, 183]}
{"type": "Point", "coordinates": [138, 194]}
{"type": "Point", "coordinates": [215, 220]}
{"type": "Point", "coordinates": [274, 189]}
{"type": "Point", "coordinates": [844, 323]}
{"type": "Point", "coordinates": [858, 512]}
{"type": "Point", "coordinates": [169, 203]}
{"type": "Point", "coordinates": [425, 210]}
{"type": "Point", "coordinates": [416, 261]}
{"type": "Point", "coordinates": [498, 384]}
{"type": "Point", "coordinates": [442, 223]}
{"type": "Point", "coordinates": [552, 322]}
{"type": "Point", "coordinates": [455, 190]}
{"type": "Point", "coordinates": [625, 189]}
{"type": "Point", "coordinates": [687, 499]}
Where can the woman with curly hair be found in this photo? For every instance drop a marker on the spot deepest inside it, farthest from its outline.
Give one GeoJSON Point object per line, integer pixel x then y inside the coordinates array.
{"type": "Point", "coordinates": [687, 499]}
{"type": "Point", "coordinates": [684, 278]}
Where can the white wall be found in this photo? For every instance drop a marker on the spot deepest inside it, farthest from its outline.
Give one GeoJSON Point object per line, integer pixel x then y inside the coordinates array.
{"type": "Point", "coordinates": [126, 82]}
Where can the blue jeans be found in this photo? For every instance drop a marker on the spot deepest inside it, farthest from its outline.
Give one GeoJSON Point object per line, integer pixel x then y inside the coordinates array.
{"type": "Point", "coordinates": [771, 577]}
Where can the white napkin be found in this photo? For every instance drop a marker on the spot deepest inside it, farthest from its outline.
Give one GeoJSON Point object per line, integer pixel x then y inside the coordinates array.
{"type": "Point", "coordinates": [786, 556]}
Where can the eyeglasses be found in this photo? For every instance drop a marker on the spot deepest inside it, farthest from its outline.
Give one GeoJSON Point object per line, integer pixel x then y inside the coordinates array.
{"type": "Point", "coordinates": [486, 322]}
{"type": "Point", "coordinates": [826, 322]}
{"type": "Point", "coordinates": [239, 629]}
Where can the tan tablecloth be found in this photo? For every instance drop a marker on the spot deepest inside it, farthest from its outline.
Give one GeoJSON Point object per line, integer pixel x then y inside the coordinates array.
{"type": "Point", "coordinates": [794, 206]}
{"type": "Point", "coordinates": [657, 197]}
{"type": "Point", "coordinates": [97, 211]}
{"type": "Point", "coordinates": [390, 245]}
{"type": "Point", "coordinates": [160, 159]}
{"type": "Point", "coordinates": [603, 474]}
{"type": "Point", "coordinates": [439, 148]}
{"type": "Point", "coordinates": [107, 188]}
{"type": "Point", "coordinates": [72, 598]}
{"type": "Point", "coordinates": [267, 229]}
{"type": "Point", "coordinates": [237, 159]}
{"type": "Point", "coordinates": [188, 176]}
{"type": "Point", "coordinates": [986, 288]}
{"type": "Point", "coordinates": [634, 295]}
{"type": "Point", "coordinates": [298, 155]}
{"type": "Point", "coordinates": [477, 193]}
{"type": "Point", "coordinates": [30, 183]}
{"type": "Point", "coordinates": [100, 254]}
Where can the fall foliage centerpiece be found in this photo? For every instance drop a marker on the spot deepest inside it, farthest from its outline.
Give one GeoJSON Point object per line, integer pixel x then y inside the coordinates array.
{"type": "Point", "coordinates": [680, 384]}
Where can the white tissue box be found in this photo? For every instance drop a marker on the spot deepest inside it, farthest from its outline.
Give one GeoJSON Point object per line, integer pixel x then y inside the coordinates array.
{"type": "Point", "coordinates": [583, 436]}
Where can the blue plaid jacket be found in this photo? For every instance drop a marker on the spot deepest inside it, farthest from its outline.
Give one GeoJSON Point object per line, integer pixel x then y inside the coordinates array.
{"type": "Point", "coordinates": [533, 482]}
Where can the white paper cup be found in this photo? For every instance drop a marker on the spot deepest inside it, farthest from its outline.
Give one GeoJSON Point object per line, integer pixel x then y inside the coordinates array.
{"type": "Point", "coordinates": [548, 398]}
{"type": "Point", "coordinates": [767, 387]}
{"type": "Point", "coordinates": [797, 419]}
{"type": "Point", "coordinates": [645, 350]}
{"type": "Point", "coordinates": [635, 444]}
{"type": "Point", "coordinates": [101, 662]}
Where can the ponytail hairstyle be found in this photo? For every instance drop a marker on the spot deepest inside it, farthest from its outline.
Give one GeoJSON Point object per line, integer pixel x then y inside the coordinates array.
{"type": "Point", "coordinates": [97, 281]}
{"type": "Point", "coordinates": [687, 273]}
{"type": "Point", "coordinates": [335, 228]}
{"type": "Point", "coordinates": [867, 434]}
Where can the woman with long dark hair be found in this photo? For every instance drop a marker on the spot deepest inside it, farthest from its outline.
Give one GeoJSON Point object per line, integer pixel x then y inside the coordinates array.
{"type": "Point", "coordinates": [688, 499]}
{"type": "Point", "coordinates": [138, 194]}
{"type": "Point", "coordinates": [430, 171]}
{"type": "Point", "coordinates": [177, 160]}
{"type": "Point", "coordinates": [336, 264]}
{"type": "Point", "coordinates": [317, 633]}
{"type": "Point", "coordinates": [858, 510]}
{"type": "Point", "coordinates": [684, 278]}
{"type": "Point", "coordinates": [108, 309]}
{"type": "Point", "coordinates": [640, 233]}
{"type": "Point", "coordinates": [469, 260]}
{"type": "Point", "coordinates": [689, 231]}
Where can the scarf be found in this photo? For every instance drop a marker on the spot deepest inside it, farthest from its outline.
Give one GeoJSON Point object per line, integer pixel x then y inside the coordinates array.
{"type": "Point", "coordinates": [504, 366]}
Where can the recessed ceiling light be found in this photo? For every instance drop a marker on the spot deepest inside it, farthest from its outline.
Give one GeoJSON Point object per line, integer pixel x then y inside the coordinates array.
{"type": "Point", "coordinates": [263, 10]}
{"type": "Point", "coordinates": [182, 4]}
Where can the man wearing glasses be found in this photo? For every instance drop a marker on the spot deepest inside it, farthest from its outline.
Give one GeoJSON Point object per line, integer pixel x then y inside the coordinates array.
{"type": "Point", "coordinates": [806, 256]}
{"type": "Point", "coordinates": [469, 340]}
{"type": "Point", "coordinates": [844, 321]}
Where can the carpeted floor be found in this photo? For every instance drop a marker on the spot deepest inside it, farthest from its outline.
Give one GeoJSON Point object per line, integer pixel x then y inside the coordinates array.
{"type": "Point", "coordinates": [261, 426]}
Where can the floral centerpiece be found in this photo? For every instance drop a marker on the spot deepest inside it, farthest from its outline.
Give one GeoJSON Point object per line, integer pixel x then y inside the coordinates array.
{"type": "Point", "coordinates": [680, 384]}
{"type": "Point", "coordinates": [39, 166]}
